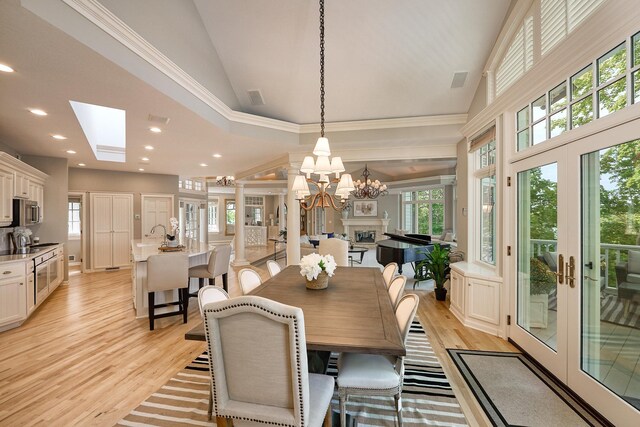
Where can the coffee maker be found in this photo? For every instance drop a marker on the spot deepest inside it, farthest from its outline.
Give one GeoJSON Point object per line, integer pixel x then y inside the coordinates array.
{"type": "Point", "coordinates": [20, 243]}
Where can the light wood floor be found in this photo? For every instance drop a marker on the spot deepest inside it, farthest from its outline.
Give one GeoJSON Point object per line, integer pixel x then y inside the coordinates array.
{"type": "Point", "coordinates": [83, 359]}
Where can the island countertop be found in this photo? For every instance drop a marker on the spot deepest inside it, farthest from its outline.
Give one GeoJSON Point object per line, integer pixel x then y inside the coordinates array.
{"type": "Point", "coordinates": [141, 249]}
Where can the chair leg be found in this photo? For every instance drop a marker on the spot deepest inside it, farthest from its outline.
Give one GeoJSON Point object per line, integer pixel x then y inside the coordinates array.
{"type": "Point", "coordinates": [398, 409]}
{"type": "Point", "coordinates": [327, 417]}
{"type": "Point", "coordinates": [151, 301]}
{"type": "Point", "coordinates": [200, 282]}
{"type": "Point", "coordinates": [225, 282]}
{"type": "Point", "coordinates": [212, 281]}
{"type": "Point", "coordinates": [185, 304]}
{"type": "Point", "coordinates": [343, 409]}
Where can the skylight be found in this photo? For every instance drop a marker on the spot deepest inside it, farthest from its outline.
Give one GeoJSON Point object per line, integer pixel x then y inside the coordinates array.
{"type": "Point", "coordinates": [104, 128]}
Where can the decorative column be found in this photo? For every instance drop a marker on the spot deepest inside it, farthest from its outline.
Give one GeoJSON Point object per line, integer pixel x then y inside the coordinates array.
{"type": "Point", "coordinates": [281, 223]}
{"type": "Point", "coordinates": [293, 220]}
{"type": "Point", "coordinates": [239, 259]}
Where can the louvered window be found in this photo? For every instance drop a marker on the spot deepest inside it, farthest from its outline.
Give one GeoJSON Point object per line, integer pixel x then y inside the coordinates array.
{"type": "Point", "coordinates": [518, 59]}
{"type": "Point", "coordinates": [560, 17]}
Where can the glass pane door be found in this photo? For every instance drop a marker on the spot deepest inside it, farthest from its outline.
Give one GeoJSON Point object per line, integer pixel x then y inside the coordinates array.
{"type": "Point", "coordinates": [537, 252]}
{"type": "Point", "coordinates": [540, 297]}
{"type": "Point", "coordinates": [609, 296]}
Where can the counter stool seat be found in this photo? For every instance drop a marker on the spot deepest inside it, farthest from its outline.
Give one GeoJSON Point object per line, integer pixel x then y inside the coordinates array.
{"type": "Point", "coordinates": [218, 265]}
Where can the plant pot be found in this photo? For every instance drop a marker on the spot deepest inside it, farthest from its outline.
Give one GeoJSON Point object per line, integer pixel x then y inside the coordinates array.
{"type": "Point", "coordinates": [320, 283]}
{"type": "Point", "coordinates": [172, 243]}
{"type": "Point", "coordinates": [441, 294]}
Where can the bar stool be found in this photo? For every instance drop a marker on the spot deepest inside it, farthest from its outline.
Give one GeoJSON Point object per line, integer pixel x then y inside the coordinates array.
{"type": "Point", "coordinates": [218, 265]}
{"type": "Point", "coordinates": [167, 272]}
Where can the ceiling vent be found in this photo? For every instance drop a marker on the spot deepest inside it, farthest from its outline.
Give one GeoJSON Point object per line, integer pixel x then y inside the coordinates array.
{"type": "Point", "coordinates": [255, 97]}
{"type": "Point", "coordinates": [458, 79]}
{"type": "Point", "coordinates": [158, 119]}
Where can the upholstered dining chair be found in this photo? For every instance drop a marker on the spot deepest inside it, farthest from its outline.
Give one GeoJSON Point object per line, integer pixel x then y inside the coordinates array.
{"type": "Point", "coordinates": [249, 280]}
{"type": "Point", "coordinates": [389, 272]}
{"type": "Point", "coordinates": [166, 272]}
{"type": "Point", "coordinates": [338, 248]}
{"type": "Point", "coordinates": [273, 267]}
{"type": "Point", "coordinates": [376, 375]}
{"type": "Point", "coordinates": [271, 386]}
{"type": "Point", "coordinates": [396, 289]}
{"type": "Point", "coordinates": [218, 265]}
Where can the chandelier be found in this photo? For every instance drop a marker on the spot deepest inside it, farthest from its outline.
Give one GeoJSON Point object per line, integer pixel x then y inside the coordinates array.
{"type": "Point", "coordinates": [225, 181]}
{"type": "Point", "coordinates": [368, 189]}
{"type": "Point", "coordinates": [322, 165]}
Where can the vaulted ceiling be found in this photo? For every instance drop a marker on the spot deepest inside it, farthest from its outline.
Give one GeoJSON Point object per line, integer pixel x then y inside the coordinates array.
{"type": "Point", "coordinates": [385, 59]}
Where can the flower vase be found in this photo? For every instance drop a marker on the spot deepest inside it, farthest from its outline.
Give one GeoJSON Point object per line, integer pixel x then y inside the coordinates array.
{"type": "Point", "coordinates": [172, 243]}
{"type": "Point", "coordinates": [320, 283]}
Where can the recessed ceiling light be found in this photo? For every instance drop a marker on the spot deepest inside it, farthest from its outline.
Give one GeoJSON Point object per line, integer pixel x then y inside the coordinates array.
{"type": "Point", "coordinates": [71, 152]}
{"type": "Point", "coordinates": [141, 169]}
{"type": "Point", "coordinates": [204, 165]}
{"type": "Point", "coordinates": [38, 112]}
{"type": "Point", "coordinates": [148, 147]}
{"type": "Point", "coordinates": [58, 137]}
{"type": "Point", "coordinates": [6, 69]}
{"type": "Point", "coordinates": [81, 164]}
{"type": "Point", "coordinates": [155, 130]}
{"type": "Point", "coordinates": [217, 156]}
{"type": "Point", "coordinates": [145, 159]}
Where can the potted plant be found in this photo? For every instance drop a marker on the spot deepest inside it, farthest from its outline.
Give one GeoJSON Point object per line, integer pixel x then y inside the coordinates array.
{"type": "Point", "coordinates": [436, 267]}
{"type": "Point", "coordinates": [541, 282]}
{"type": "Point", "coordinates": [171, 238]}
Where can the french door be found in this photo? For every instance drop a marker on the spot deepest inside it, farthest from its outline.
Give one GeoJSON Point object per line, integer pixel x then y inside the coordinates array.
{"type": "Point", "coordinates": [576, 220]}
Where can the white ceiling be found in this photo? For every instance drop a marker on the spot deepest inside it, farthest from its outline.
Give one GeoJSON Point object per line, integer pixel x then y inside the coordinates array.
{"type": "Point", "coordinates": [385, 59]}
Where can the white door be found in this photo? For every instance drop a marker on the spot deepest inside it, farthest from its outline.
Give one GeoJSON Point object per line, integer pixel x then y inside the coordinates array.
{"type": "Point", "coordinates": [101, 236]}
{"type": "Point", "coordinates": [581, 202]}
{"type": "Point", "coordinates": [122, 229]}
{"type": "Point", "coordinates": [156, 210]}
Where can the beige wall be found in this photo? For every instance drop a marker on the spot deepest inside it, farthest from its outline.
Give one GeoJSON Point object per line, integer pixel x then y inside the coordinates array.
{"type": "Point", "coordinates": [462, 199]}
{"type": "Point", "coordinates": [94, 180]}
{"type": "Point", "coordinates": [54, 228]}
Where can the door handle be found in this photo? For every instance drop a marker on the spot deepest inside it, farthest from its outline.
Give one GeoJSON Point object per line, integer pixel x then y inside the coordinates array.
{"type": "Point", "coordinates": [561, 265]}
{"type": "Point", "coordinates": [590, 278]}
{"type": "Point", "coordinates": [571, 270]}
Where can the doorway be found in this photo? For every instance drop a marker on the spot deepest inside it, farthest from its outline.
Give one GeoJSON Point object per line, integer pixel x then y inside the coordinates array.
{"type": "Point", "coordinates": [75, 235]}
{"type": "Point", "coordinates": [156, 209]}
{"type": "Point", "coordinates": [576, 220]}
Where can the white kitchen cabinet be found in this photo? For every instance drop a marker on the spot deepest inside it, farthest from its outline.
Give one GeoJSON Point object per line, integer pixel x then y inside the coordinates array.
{"type": "Point", "coordinates": [21, 185]}
{"type": "Point", "coordinates": [13, 294]}
{"type": "Point", "coordinates": [6, 196]}
{"type": "Point", "coordinates": [475, 297]}
{"type": "Point", "coordinates": [111, 230]}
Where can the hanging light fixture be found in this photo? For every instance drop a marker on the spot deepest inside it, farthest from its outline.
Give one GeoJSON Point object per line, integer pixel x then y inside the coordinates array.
{"type": "Point", "coordinates": [323, 165]}
{"type": "Point", "coordinates": [367, 188]}
{"type": "Point", "coordinates": [225, 181]}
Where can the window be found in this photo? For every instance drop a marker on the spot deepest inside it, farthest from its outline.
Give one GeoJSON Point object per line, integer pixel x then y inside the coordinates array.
{"type": "Point", "coordinates": [188, 184]}
{"type": "Point", "coordinates": [212, 215]}
{"type": "Point", "coordinates": [423, 211]}
{"type": "Point", "coordinates": [560, 17]}
{"type": "Point", "coordinates": [518, 59]}
{"type": "Point", "coordinates": [484, 219]}
{"type": "Point", "coordinates": [191, 215]}
{"type": "Point", "coordinates": [74, 219]}
{"type": "Point", "coordinates": [230, 217]}
{"type": "Point", "coordinates": [595, 91]}
{"type": "Point", "coordinates": [254, 210]}
{"type": "Point", "coordinates": [198, 185]}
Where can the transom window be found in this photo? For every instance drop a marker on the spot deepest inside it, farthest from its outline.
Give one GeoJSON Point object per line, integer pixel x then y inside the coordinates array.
{"type": "Point", "coordinates": [595, 91]}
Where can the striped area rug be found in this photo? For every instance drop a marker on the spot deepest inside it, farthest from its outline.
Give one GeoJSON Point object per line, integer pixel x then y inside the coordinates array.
{"type": "Point", "coordinates": [427, 397]}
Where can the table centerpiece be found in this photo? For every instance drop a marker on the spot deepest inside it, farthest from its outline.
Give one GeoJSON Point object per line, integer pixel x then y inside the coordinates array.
{"type": "Point", "coordinates": [317, 269]}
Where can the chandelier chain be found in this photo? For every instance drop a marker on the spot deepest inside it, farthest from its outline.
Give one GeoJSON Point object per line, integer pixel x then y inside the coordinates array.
{"type": "Point", "coordinates": [322, 68]}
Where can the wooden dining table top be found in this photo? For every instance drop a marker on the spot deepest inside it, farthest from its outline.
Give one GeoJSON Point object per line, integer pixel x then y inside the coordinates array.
{"type": "Point", "coordinates": [354, 314]}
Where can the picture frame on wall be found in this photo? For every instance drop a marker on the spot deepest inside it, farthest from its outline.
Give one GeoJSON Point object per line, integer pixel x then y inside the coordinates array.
{"type": "Point", "coordinates": [365, 208]}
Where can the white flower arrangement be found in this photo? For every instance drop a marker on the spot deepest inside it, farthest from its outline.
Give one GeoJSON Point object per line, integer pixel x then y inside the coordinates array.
{"type": "Point", "coordinates": [174, 225]}
{"type": "Point", "coordinates": [22, 231]}
{"type": "Point", "coordinates": [313, 264]}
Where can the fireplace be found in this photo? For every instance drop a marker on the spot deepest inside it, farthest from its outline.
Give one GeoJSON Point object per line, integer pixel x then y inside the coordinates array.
{"type": "Point", "coordinates": [365, 236]}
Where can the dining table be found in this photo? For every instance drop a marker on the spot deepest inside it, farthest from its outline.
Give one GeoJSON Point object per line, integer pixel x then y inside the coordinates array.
{"type": "Point", "coordinates": [353, 314]}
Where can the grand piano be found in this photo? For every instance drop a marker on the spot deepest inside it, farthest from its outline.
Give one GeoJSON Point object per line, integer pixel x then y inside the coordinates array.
{"type": "Point", "coordinates": [403, 249]}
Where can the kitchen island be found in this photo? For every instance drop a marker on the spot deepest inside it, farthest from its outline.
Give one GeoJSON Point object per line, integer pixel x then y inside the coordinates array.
{"type": "Point", "coordinates": [141, 250]}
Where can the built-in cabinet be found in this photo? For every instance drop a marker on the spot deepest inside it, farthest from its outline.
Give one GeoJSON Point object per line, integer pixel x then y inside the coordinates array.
{"type": "Point", "coordinates": [474, 294]}
{"type": "Point", "coordinates": [23, 286]}
{"type": "Point", "coordinates": [111, 230]}
{"type": "Point", "coordinates": [18, 180]}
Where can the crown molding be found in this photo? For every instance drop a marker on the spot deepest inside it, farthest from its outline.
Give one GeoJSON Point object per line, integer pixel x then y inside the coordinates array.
{"type": "Point", "coordinates": [402, 122]}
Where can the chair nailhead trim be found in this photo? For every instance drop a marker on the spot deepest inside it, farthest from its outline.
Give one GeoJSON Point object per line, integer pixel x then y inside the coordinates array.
{"type": "Point", "coordinates": [298, 361]}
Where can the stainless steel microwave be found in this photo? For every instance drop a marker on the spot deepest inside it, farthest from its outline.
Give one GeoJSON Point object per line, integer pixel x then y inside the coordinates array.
{"type": "Point", "coordinates": [25, 212]}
